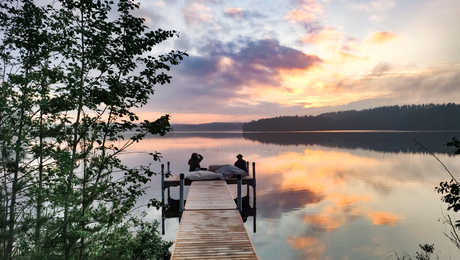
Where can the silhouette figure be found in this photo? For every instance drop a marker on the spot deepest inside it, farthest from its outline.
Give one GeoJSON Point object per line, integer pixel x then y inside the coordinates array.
{"type": "Point", "coordinates": [240, 163]}
{"type": "Point", "coordinates": [194, 162]}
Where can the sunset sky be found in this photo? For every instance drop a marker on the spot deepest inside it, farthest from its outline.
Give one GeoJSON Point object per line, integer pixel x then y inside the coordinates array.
{"type": "Point", "coordinates": [260, 58]}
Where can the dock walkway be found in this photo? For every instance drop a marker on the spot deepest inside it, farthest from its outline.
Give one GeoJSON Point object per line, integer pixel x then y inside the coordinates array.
{"type": "Point", "coordinates": [211, 226]}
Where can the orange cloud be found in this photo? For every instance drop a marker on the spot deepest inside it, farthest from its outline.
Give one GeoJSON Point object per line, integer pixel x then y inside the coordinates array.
{"type": "Point", "coordinates": [312, 247]}
{"type": "Point", "coordinates": [382, 218]}
{"type": "Point", "coordinates": [327, 34]}
{"type": "Point", "coordinates": [301, 16]}
{"type": "Point", "coordinates": [381, 37]}
{"type": "Point", "coordinates": [324, 222]}
{"type": "Point", "coordinates": [343, 201]}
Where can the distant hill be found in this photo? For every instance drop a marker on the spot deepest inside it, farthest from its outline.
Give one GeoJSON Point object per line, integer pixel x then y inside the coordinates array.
{"type": "Point", "coordinates": [407, 117]}
{"type": "Point", "coordinates": [208, 127]}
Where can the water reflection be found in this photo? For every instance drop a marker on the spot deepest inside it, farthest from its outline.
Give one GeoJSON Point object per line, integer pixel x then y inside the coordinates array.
{"type": "Point", "coordinates": [377, 141]}
{"type": "Point", "coordinates": [320, 200]}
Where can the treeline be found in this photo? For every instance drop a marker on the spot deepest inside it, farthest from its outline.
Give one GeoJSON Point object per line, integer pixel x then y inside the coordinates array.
{"type": "Point", "coordinates": [407, 117]}
{"type": "Point", "coordinates": [218, 126]}
{"type": "Point", "coordinates": [71, 74]}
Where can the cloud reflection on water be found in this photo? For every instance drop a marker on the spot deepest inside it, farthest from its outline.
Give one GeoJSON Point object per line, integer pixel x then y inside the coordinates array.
{"type": "Point", "coordinates": [320, 202]}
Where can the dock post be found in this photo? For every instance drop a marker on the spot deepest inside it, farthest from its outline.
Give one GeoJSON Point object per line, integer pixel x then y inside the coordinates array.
{"type": "Point", "coordinates": [169, 174]}
{"type": "Point", "coordinates": [181, 202]}
{"type": "Point", "coordinates": [254, 205]}
{"type": "Point", "coordinates": [240, 201]}
{"type": "Point", "coordinates": [162, 199]}
{"type": "Point", "coordinates": [247, 182]}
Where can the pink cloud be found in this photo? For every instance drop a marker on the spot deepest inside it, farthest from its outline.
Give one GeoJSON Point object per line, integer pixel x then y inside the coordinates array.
{"type": "Point", "coordinates": [196, 12]}
{"type": "Point", "coordinates": [308, 12]}
{"type": "Point", "coordinates": [234, 12]}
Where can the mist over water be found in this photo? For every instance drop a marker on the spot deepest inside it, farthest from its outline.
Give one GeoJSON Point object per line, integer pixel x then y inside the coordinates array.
{"type": "Point", "coordinates": [326, 195]}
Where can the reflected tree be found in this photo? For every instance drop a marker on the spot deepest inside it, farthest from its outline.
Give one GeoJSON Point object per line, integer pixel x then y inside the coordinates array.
{"type": "Point", "coordinates": [426, 252]}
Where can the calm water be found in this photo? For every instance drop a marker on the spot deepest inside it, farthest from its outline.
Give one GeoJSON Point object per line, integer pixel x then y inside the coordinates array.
{"type": "Point", "coordinates": [327, 195]}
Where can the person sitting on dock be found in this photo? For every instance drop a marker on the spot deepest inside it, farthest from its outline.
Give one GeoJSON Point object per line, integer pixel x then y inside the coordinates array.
{"type": "Point", "coordinates": [240, 163]}
{"type": "Point", "coordinates": [194, 162]}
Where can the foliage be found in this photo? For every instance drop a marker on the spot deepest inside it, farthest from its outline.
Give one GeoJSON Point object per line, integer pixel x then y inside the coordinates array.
{"type": "Point", "coordinates": [425, 253]}
{"type": "Point", "coordinates": [407, 117]}
{"type": "Point", "coordinates": [450, 192]}
{"type": "Point", "coordinates": [72, 73]}
{"type": "Point", "coordinates": [456, 144]}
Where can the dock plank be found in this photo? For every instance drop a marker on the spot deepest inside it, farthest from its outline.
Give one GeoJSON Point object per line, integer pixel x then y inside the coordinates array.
{"type": "Point", "coordinates": [209, 195]}
{"type": "Point", "coordinates": [173, 180]}
{"type": "Point", "coordinates": [212, 234]}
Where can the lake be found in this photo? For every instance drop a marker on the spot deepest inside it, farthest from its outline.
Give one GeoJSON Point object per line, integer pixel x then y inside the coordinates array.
{"type": "Point", "coordinates": [326, 195]}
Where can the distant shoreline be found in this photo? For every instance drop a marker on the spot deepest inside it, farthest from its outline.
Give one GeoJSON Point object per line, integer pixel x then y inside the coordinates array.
{"type": "Point", "coordinates": [428, 117]}
{"type": "Point", "coordinates": [319, 131]}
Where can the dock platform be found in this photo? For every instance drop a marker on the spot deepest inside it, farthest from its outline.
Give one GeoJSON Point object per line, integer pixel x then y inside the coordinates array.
{"type": "Point", "coordinates": [211, 226]}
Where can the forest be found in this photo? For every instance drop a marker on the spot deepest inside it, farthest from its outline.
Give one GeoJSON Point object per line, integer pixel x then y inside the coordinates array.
{"type": "Point", "coordinates": [435, 117]}
{"type": "Point", "coordinates": [71, 74]}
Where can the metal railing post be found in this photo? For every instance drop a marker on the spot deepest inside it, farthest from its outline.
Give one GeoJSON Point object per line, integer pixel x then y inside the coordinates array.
{"type": "Point", "coordinates": [162, 199]}
{"type": "Point", "coordinates": [254, 205]}
{"type": "Point", "coordinates": [181, 202]}
{"type": "Point", "coordinates": [240, 201]}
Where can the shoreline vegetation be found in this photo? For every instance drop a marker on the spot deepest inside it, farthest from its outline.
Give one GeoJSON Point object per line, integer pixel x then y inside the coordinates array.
{"type": "Point", "coordinates": [388, 119]}
{"type": "Point", "coordinates": [408, 117]}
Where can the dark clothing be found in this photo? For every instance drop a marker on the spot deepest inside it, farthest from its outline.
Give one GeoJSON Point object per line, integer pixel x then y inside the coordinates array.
{"type": "Point", "coordinates": [194, 162]}
{"type": "Point", "coordinates": [240, 163]}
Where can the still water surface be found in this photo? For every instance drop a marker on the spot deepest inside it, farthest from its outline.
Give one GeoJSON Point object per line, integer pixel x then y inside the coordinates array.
{"type": "Point", "coordinates": [332, 195]}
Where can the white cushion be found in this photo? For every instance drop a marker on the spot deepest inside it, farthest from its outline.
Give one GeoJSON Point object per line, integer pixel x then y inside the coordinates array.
{"type": "Point", "coordinates": [231, 170]}
{"type": "Point", "coordinates": [202, 175]}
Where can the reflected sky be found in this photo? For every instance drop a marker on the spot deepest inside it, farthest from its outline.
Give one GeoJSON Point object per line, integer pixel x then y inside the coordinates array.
{"type": "Point", "coordinates": [322, 202]}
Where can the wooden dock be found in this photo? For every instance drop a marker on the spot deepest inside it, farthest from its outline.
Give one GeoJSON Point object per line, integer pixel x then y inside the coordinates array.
{"type": "Point", "coordinates": [211, 226]}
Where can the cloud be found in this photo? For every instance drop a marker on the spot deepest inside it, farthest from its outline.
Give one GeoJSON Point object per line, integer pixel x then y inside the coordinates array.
{"type": "Point", "coordinates": [381, 68]}
{"type": "Point", "coordinates": [239, 77]}
{"type": "Point", "coordinates": [325, 34]}
{"type": "Point", "coordinates": [307, 12]}
{"type": "Point", "coordinates": [377, 9]}
{"type": "Point", "coordinates": [381, 37]}
{"type": "Point", "coordinates": [374, 5]}
{"type": "Point", "coordinates": [238, 64]}
{"type": "Point", "coordinates": [276, 203]}
{"type": "Point", "coordinates": [311, 247]}
{"type": "Point", "coordinates": [382, 218]}
{"type": "Point", "coordinates": [240, 13]}
{"type": "Point", "coordinates": [233, 12]}
{"type": "Point", "coordinates": [196, 12]}
{"type": "Point", "coordinates": [225, 69]}
{"type": "Point", "coordinates": [324, 222]}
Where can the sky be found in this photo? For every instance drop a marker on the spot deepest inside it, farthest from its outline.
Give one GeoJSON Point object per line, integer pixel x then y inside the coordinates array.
{"type": "Point", "coordinates": [266, 58]}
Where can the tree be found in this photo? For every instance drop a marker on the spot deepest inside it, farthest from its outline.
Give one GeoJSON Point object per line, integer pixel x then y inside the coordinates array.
{"type": "Point", "coordinates": [81, 67]}
{"type": "Point", "coordinates": [450, 191]}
